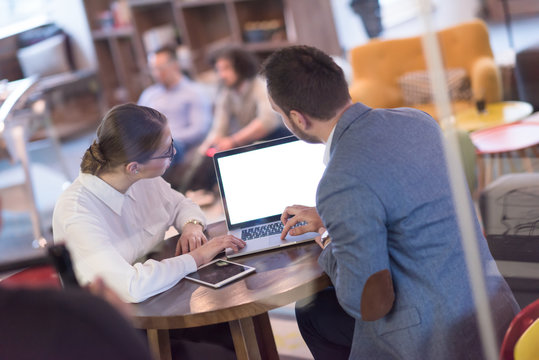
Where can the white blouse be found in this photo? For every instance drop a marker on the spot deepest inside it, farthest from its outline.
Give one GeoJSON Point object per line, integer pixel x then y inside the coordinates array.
{"type": "Point", "coordinates": [107, 231]}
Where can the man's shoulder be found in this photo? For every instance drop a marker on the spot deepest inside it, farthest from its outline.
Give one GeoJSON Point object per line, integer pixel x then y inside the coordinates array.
{"type": "Point", "coordinates": [150, 91]}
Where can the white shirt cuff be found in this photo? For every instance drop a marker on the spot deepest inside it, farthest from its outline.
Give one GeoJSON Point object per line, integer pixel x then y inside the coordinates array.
{"type": "Point", "coordinates": [190, 263]}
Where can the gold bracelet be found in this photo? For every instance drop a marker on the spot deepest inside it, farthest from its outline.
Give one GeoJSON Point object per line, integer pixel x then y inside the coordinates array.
{"type": "Point", "coordinates": [194, 221]}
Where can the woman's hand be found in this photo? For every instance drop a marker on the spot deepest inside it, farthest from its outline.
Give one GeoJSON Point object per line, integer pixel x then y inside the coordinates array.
{"type": "Point", "coordinates": [192, 237]}
{"type": "Point", "coordinates": [299, 213]}
{"type": "Point", "coordinates": [207, 252]}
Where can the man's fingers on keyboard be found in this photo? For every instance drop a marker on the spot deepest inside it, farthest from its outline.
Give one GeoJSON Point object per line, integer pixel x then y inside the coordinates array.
{"type": "Point", "coordinates": [289, 224]}
{"type": "Point", "coordinates": [299, 230]}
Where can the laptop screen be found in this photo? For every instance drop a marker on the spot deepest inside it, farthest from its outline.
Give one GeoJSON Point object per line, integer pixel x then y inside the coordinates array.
{"type": "Point", "coordinates": [257, 182]}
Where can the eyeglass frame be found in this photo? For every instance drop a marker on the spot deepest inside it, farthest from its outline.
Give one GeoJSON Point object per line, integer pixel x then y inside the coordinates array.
{"type": "Point", "coordinates": [172, 151]}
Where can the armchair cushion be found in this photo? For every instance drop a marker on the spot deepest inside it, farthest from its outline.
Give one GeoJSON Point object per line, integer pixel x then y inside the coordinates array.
{"type": "Point", "coordinates": [416, 89]}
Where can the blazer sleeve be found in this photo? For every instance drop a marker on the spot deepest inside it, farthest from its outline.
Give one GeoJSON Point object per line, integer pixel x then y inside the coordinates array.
{"type": "Point", "coordinates": [355, 219]}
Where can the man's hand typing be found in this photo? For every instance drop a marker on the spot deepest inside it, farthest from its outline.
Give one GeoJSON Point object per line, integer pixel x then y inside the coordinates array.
{"type": "Point", "coordinates": [299, 213]}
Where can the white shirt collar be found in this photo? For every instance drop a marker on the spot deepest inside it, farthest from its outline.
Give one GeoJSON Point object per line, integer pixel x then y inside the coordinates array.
{"type": "Point", "coordinates": [328, 146]}
{"type": "Point", "coordinates": [104, 192]}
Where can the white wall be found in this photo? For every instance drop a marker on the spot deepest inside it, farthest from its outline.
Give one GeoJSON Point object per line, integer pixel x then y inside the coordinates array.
{"type": "Point", "coordinates": [352, 33]}
{"type": "Point", "coordinates": [70, 16]}
{"type": "Point", "coordinates": [350, 29]}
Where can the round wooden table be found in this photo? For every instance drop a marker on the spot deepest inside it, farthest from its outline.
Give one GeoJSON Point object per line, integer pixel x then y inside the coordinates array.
{"type": "Point", "coordinates": [282, 277]}
{"type": "Point", "coordinates": [496, 114]}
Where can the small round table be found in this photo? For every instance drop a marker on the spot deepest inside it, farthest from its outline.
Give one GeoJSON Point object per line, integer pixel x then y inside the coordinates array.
{"type": "Point", "coordinates": [282, 276]}
{"type": "Point", "coordinates": [495, 114]}
{"type": "Point", "coordinates": [500, 141]}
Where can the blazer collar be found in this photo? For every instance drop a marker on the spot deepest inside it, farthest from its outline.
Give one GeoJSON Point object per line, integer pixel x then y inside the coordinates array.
{"type": "Point", "coordinates": [353, 113]}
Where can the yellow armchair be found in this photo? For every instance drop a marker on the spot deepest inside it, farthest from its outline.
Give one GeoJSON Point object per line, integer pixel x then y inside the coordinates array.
{"type": "Point", "coordinates": [378, 65]}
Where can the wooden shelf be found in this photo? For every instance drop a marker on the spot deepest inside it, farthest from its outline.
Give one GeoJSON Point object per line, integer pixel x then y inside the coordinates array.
{"type": "Point", "coordinates": [102, 34]}
{"type": "Point", "coordinates": [202, 26]}
{"type": "Point", "coordinates": [199, 3]}
{"type": "Point", "coordinates": [266, 46]}
{"type": "Point", "coordinates": [136, 3]}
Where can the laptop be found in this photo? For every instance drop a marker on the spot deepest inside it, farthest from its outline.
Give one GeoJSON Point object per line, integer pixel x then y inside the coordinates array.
{"type": "Point", "coordinates": [257, 182]}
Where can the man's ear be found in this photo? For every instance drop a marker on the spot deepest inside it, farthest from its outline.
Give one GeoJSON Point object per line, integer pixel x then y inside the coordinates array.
{"type": "Point", "coordinates": [300, 120]}
{"type": "Point", "coordinates": [132, 168]}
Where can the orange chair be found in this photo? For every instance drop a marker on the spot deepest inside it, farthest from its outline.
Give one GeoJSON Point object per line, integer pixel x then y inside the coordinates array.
{"type": "Point", "coordinates": [520, 339]}
{"type": "Point", "coordinates": [379, 64]}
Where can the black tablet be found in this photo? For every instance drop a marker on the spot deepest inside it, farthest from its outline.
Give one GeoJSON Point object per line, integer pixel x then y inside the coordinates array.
{"type": "Point", "coordinates": [219, 272]}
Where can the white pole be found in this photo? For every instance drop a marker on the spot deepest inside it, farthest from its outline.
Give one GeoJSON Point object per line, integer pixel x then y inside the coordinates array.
{"type": "Point", "coordinates": [458, 186]}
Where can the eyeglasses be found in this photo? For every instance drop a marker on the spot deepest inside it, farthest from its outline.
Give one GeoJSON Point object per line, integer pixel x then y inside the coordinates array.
{"type": "Point", "coordinates": [168, 155]}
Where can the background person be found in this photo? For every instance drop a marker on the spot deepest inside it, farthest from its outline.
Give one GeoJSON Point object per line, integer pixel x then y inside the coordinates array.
{"type": "Point", "coordinates": [119, 208]}
{"type": "Point", "coordinates": [243, 113]}
{"type": "Point", "coordinates": [185, 104]}
{"type": "Point", "coordinates": [394, 251]}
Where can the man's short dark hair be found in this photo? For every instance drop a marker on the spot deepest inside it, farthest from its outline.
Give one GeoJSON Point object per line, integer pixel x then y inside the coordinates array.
{"type": "Point", "coordinates": [307, 80]}
{"type": "Point", "coordinates": [245, 63]}
{"type": "Point", "coordinates": [167, 49]}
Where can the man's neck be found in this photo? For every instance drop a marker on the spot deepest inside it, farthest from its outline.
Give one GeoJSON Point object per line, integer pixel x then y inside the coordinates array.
{"type": "Point", "coordinates": [241, 86]}
{"type": "Point", "coordinates": [173, 83]}
{"type": "Point", "coordinates": [326, 127]}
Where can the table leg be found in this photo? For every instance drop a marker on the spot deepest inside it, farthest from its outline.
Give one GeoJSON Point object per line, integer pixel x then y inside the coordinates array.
{"type": "Point", "coordinates": [511, 162]}
{"type": "Point", "coordinates": [488, 169]}
{"type": "Point", "coordinates": [480, 173]}
{"type": "Point", "coordinates": [526, 162]}
{"type": "Point", "coordinates": [500, 157]}
{"type": "Point", "coordinates": [264, 335]}
{"type": "Point", "coordinates": [19, 136]}
{"type": "Point", "coordinates": [159, 342]}
{"type": "Point", "coordinates": [244, 337]}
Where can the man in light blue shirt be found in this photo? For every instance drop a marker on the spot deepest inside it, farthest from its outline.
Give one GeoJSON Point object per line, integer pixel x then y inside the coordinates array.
{"type": "Point", "coordinates": [184, 102]}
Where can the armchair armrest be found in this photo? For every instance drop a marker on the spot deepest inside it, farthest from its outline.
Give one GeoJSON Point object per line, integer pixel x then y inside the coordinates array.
{"type": "Point", "coordinates": [486, 80]}
{"type": "Point", "coordinates": [375, 94]}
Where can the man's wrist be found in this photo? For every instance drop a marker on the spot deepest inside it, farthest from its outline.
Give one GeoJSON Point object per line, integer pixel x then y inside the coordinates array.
{"type": "Point", "coordinates": [233, 141]}
{"type": "Point", "coordinates": [325, 239]}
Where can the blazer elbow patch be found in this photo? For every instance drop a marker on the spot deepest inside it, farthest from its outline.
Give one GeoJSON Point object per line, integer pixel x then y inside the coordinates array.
{"type": "Point", "coordinates": [378, 296]}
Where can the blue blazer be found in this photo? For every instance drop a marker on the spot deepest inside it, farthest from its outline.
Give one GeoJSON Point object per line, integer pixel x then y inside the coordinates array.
{"type": "Point", "coordinates": [386, 202]}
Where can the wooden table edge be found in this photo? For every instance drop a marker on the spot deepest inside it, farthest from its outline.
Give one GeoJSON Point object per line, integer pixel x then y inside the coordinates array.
{"type": "Point", "coordinates": [230, 314]}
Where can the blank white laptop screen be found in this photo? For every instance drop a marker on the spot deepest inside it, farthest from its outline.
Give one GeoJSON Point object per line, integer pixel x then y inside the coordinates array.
{"type": "Point", "coordinates": [260, 182]}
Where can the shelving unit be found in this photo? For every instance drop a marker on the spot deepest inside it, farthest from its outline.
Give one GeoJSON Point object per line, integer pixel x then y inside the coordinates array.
{"type": "Point", "coordinates": [119, 55]}
{"type": "Point", "coordinates": [203, 26]}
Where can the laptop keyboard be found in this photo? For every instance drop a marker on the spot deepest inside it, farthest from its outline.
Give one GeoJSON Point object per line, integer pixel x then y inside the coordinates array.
{"type": "Point", "coordinates": [265, 230]}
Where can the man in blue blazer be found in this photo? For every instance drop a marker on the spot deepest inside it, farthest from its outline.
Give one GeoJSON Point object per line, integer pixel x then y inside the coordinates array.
{"type": "Point", "coordinates": [394, 251]}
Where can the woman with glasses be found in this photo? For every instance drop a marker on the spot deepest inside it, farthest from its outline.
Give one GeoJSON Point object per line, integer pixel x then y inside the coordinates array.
{"type": "Point", "coordinates": [119, 208]}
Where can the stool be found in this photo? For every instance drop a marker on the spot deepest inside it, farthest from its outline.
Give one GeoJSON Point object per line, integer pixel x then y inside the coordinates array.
{"type": "Point", "coordinates": [500, 142]}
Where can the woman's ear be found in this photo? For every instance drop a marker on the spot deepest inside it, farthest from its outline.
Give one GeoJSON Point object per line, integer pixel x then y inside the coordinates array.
{"type": "Point", "coordinates": [132, 168]}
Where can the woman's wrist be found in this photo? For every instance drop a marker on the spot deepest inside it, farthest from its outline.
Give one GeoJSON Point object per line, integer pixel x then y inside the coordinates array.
{"type": "Point", "coordinates": [193, 222]}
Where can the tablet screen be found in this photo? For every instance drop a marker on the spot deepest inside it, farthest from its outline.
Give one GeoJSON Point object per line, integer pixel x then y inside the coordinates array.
{"type": "Point", "coordinates": [219, 272]}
